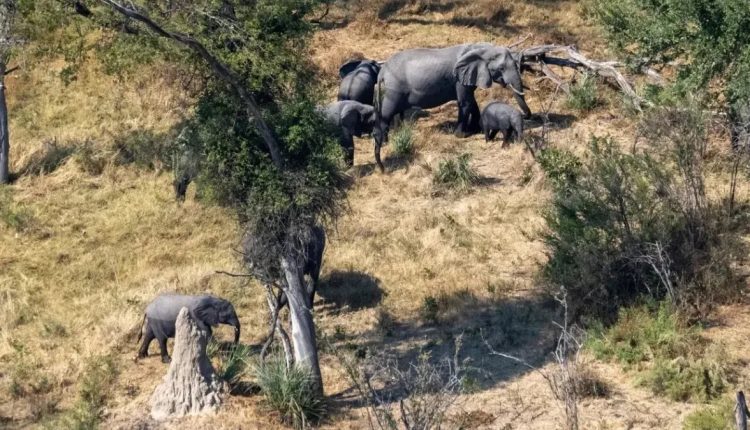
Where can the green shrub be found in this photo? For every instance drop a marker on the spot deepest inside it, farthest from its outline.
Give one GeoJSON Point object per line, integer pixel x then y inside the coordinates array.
{"type": "Point", "coordinates": [456, 174]}
{"type": "Point", "coordinates": [402, 140]}
{"type": "Point", "coordinates": [583, 95]}
{"type": "Point", "coordinates": [289, 392]}
{"type": "Point", "coordinates": [95, 385]}
{"type": "Point", "coordinates": [716, 416]}
{"type": "Point", "coordinates": [671, 359]}
{"type": "Point", "coordinates": [623, 224]}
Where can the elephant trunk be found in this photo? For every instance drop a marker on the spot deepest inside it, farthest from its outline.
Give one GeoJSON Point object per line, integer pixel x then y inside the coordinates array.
{"type": "Point", "coordinates": [513, 80]}
{"type": "Point", "coordinates": [235, 322]}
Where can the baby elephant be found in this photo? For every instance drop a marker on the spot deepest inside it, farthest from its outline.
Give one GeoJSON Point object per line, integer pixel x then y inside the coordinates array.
{"type": "Point", "coordinates": [161, 315]}
{"type": "Point", "coordinates": [498, 116]}
{"type": "Point", "coordinates": [354, 119]}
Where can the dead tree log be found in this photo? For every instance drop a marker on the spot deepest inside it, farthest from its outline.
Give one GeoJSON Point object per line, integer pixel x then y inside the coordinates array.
{"type": "Point", "coordinates": [190, 386]}
{"type": "Point", "coordinates": [538, 59]}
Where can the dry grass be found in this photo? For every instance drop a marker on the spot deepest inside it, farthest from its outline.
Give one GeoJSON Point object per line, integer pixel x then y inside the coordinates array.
{"type": "Point", "coordinates": [96, 248]}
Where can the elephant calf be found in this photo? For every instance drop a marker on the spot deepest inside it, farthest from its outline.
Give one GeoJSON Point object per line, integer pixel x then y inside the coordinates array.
{"type": "Point", "coordinates": [161, 315]}
{"type": "Point", "coordinates": [498, 116]}
{"type": "Point", "coordinates": [358, 79]}
{"type": "Point", "coordinates": [354, 119]}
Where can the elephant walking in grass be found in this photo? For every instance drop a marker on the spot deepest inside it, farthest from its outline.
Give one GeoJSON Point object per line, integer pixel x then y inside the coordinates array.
{"type": "Point", "coordinates": [358, 78]}
{"type": "Point", "coordinates": [161, 315]}
{"type": "Point", "coordinates": [354, 119]}
{"type": "Point", "coordinates": [499, 117]}
{"type": "Point", "coordinates": [427, 78]}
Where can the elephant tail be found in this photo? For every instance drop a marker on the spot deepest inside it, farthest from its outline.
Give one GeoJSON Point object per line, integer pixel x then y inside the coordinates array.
{"type": "Point", "coordinates": [140, 332]}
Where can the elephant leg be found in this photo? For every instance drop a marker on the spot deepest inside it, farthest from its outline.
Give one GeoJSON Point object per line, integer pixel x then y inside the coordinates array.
{"type": "Point", "coordinates": [492, 134]}
{"type": "Point", "coordinates": [163, 348]}
{"type": "Point", "coordinates": [390, 107]}
{"type": "Point", "coordinates": [147, 338]}
{"type": "Point", "coordinates": [506, 138]}
{"type": "Point", "coordinates": [347, 143]}
{"type": "Point", "coordinates": [466, 106]}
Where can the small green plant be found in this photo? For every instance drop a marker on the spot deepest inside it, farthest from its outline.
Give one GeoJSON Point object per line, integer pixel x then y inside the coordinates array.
{"type": "Point", "coordinates": [402, 140]}
{"type": "Point", "coordinates": [290, 392]}
{"type": "Point", "coordinates": [430, 308]}
{"type": "Point", "coordinates": [12, 214]}
{"type": "Point", "coordinates": [230, 364]}
{"type": "Point", "coordinates": [582, 95]}
{"type": "Point", "coordinates": [95, 384]}
{"type": "Point", "coordinates": [716, 416]}
{"type": "Point", "coordinates": [456, 174]}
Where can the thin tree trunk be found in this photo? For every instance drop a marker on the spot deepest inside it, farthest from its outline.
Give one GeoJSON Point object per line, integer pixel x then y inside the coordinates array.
{"type": "Point", "coordinates": [303, 327]}
{"type": "Point", "coordinates": [4, 131]}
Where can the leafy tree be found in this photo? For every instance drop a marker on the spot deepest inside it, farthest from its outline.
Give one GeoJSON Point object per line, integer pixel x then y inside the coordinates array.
{"type": "Point", "coordinates": [264, 149]}
{"type": "Point", "coordinates": [706, 39]}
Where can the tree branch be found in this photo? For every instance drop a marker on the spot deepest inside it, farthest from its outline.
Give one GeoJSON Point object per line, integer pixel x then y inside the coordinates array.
{"type": "Point", "coordinates": [11, 70]}
{"type": "Point", "coordinates": [576, 60]}
{"type": "Point", "coordinates": [222, 71]}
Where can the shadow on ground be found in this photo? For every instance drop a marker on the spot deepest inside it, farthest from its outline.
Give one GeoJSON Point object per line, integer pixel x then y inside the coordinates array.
{"type": "Point", "coordinates": [349, 289]}
{"type": "Point", "coordinates": [522, 327]}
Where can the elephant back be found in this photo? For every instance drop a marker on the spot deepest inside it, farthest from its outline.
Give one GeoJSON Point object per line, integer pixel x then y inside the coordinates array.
{"type": "Point", "coordinates": [166, 307]}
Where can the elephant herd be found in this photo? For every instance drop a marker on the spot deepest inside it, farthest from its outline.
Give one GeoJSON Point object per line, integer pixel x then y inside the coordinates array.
{"type": "Point", "coordinates": [372, 94]}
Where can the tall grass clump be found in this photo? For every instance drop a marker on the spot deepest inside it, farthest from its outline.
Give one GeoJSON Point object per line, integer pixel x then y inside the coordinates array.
{"type": "Point", "coordinates": [95, 386]}
{"type": "Point", "coordinates": [624, 224]}
{"type": "Point", "coordinates": [455, 174]}
{"type": "Point", "coordinates": [290, 392]}
{"type": "Point", "coordinates": [582, 96]}
{"type": "Point", "coordinates": [230, 364]}
{"type": "Point", "coordinates": [715, 416]}
{"type": "Point", "coordinates": [402, 140]}
{"type": "Point", "coordinates": [669, 357]}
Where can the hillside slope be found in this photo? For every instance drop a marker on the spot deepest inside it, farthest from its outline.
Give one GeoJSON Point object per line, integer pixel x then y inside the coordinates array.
{"type": "Point", "coordinates": [89, 236]}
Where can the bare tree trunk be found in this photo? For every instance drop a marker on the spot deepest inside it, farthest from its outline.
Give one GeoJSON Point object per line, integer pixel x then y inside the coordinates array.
{"type": "Point", "coordinates": [190, 385]}
{"type": "Point", "coordinates": [740, 411]}
{"type": "Point", "coordinates": [303, 327]}
{"type": "Point", "coordinates": [4, 130]}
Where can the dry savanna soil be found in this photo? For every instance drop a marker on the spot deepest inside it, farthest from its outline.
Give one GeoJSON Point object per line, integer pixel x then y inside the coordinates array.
{"type": "Point", "coordinates": [87, 240]}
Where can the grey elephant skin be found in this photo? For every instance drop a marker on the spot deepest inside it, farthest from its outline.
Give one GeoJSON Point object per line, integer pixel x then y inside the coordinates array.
{"type": "Point", "coordinates": [427, 78]}
{"type": "Point", "coordinates": [353, 119]}
{"type": "Point", "coordinates": [161, 314]}
{"type": "Point", "coordinates": [500, 117]}
{"type": "Point", "coordinates": [358, 78]}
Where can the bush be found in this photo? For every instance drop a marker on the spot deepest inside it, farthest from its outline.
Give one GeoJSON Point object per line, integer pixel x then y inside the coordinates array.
{"type": "Point", "coordinates": [430, 308]}
{"type": "Point", "coordinates": [96, 381]}
{"type": "Point", "coordinates": [672, 360]}
{"type": "Point", "coordinates": [89, 159]}
{"type": "Point", "coordinates": [290, 392]}
{"type": "Point", "coordinates": [230, 364]}
{"type": "Point", "coordinates": [402, 140]}
{"type": "Point", "coordinates": [456, 174]}
{"type": "Point", "coordinates": [582, 95]}
{"type": "Point", "coordinates": [145, 150]}
{"type": "Point", "coordinates": [716, 416]}
{"type": "Point", "coordinates": [624, 224]}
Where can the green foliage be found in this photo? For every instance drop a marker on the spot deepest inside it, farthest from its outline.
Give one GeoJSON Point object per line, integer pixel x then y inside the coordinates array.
{"type": "Point", "coordinates": [290, 392]}
{"type": "Point", "coordinates": [95, 385]}
{"type": "Point", "coordinates": [456, 174]}
{"type": "Point", "coordinates": [430, 308]}
{"type": "Point", "coordinates": [623, 224]}
{"type": "Point", "coordinates": [716, 416]}
{"type": "Point", "coordinates": [230, 364]}
{"type": "Point", "coordinates": [672, 360]}
{"type": "Point", "coordinates": [402, 140]}
{"type": "Point", "coordinates": [708, 38]}
{"type": "Point", "coordinates": [12, 214]}
{"type": "Point", "coordinates": [582, 95]}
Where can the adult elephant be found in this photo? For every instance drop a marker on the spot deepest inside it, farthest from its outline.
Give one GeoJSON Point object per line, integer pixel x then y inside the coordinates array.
{"type": "Point", "coordinates": [430, 77]}
{"type": "Point", "coordinates": [358, 78]}
{"type": "Point", "coordinates": [354, 119]}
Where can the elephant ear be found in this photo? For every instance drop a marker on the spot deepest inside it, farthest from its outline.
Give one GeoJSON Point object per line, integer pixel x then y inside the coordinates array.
{"type": "Point", "coordinates": [207, 311]}
{"type": "Point", "coordinates": [351, 119]}
{"type": "Point", "coordinates": [471, 69]}
{"type": "Point", "coordinates": [348, 67]}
